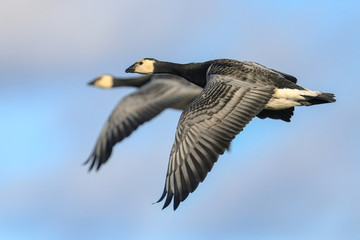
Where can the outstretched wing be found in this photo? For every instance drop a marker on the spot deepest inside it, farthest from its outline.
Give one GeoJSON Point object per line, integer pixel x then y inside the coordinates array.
{"type": "Point", "coordinates": [206, 129]}
{"type": "Point", "coordinates": [134, 110]}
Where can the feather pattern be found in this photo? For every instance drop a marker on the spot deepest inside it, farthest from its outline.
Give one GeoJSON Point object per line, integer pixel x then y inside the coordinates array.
{"type": "Point", "coordinates": [164, 91]}
{"type": "Point", "coordinates": [206, 129]}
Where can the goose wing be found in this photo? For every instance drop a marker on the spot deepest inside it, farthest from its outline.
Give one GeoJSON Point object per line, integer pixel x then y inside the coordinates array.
{"type": "Point", "coordinates": [284, 75]}
{"type": "Point", "coordinates": [134, 110]}
{"type": "Point", "coordinates": [206, 128]}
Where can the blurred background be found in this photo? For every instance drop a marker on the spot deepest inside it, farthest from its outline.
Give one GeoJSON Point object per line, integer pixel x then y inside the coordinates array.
{"type": "Point", "coordinates": [279, 181]}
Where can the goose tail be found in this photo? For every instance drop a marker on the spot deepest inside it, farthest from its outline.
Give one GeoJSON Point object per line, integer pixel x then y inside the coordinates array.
{"type": "Point", "coordinates": [321, 98]}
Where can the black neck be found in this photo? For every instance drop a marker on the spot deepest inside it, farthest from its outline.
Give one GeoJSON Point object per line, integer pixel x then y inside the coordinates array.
{"type": "Point", "coordinates": [132, 82]}
{"type": "Point", "coordinates": [193, 72]}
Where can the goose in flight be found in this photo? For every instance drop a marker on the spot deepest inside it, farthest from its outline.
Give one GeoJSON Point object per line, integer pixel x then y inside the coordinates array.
{"type": "Point", "coordinates": [155, 93]}
{"type": "Point", "coordinates": [234, 93]}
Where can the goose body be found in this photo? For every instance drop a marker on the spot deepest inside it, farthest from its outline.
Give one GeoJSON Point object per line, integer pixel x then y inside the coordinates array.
{"type": "Point", "coordinates": [234, 93]}
{"type": "Point", "coordinates": [155, 93]}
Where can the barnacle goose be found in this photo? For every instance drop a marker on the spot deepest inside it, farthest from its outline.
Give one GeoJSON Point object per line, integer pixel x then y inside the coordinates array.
{"type": "Point", "coordinates": [234, 93]}
{"type": "Point", "coordinates": [155, 93]}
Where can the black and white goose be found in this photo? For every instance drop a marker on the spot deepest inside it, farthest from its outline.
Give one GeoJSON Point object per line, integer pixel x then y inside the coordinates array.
{"type": "Point", "coordinates": [155, 93]}
{"type": "Point", "coordinates": [234, 93]}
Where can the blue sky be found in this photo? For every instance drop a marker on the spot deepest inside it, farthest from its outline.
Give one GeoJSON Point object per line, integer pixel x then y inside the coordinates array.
{"type": "Point", "coordinates": [279, 181]}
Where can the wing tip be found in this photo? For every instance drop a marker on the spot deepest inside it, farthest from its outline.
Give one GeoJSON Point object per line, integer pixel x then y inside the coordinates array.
{"type": "Point", "coordinates": [169, 196]}
{"type": "Point", "coordinates": [92, 160]}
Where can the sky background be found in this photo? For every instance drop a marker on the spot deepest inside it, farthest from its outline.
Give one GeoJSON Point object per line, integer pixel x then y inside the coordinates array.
{"type": "Point", "coordinates": [279, 181]}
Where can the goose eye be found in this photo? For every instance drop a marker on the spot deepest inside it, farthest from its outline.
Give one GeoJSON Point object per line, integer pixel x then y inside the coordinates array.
{"type": "Point", "coordinates": [140, 63]}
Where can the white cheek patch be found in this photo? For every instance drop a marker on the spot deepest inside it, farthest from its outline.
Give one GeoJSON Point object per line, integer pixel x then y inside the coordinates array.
{"type": "Point", "coordinates": [106, 81]}
{"type": "Point", "coordinates": [146, 67]}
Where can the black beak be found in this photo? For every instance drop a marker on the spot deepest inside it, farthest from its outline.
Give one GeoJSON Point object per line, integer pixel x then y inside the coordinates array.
{"type": "Point", "coordinates": [93, 81]}
{"type": "Point", "coordinates": [130, 69]}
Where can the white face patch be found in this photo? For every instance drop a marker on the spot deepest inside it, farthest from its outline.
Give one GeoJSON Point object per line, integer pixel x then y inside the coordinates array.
{"type": "Point", "coordinates": [105, 81]}
{"type": "Point", "coordinates": [144, 66]}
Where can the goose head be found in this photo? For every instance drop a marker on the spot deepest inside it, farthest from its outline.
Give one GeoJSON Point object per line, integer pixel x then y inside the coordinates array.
{"type": "Point", "coordinates": [103, 81]}
{"type": "Point", "coordinates": [144, 66]}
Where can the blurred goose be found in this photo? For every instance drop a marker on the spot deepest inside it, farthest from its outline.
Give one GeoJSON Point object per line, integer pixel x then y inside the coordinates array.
{"type": "Point", "coordinates": [234, 93]}
{"type": "Point", "coordinates": [155, 93]}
